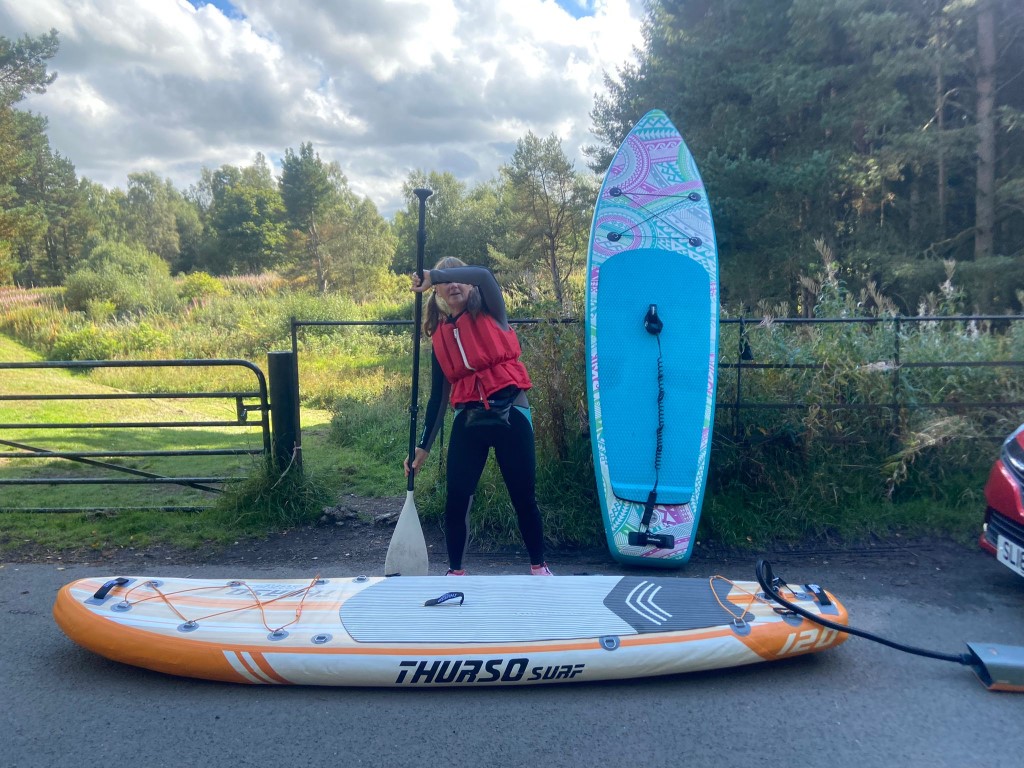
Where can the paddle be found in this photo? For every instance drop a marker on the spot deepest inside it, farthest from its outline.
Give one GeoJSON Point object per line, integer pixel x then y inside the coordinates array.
{"type": "Point", "coordinates": [407, 553]}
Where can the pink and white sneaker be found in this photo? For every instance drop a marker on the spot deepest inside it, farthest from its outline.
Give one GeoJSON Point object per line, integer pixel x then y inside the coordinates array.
{"type": "Point", "coordinates": [459, 572]}
{"type": "Point", "coordinates": [540, 570]}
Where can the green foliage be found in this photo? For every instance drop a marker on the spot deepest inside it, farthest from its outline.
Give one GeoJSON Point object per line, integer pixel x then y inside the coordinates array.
{"type": "Point", "coordinates": [238, 317]}
{"type": "Point", "coordinates": [23, 66]}
{"type": "Point", "coordinates": [459, 222]}
{"type": "Point", "coordinates": [100, 310]}
{"type": "Point", "coordinates": [375, 425]}
{"type": "Point", "coordinates": [856, 121]}
{"type": "Point", "coordinates": [130, 278]}
{"type": "Point", "coordinates": [88, 343]}
{"type": "Point", "coordinates": [554, 355]}
{"type": "Point", "coordinates": [841, 461]}
{"type": "Point", "coordinates": [110, 341]}
{"type": "Point", "coordinates": [310, 188]}
{"type": "Point", "coordinates": [306, 185]}
{"type": "Point", "coordinates": [33, 317]}
{"type": "Point", "coordinates": [24, 153]}
{"type": "Point", "coordinates": [33, 181]}
{"type": "Point", "coordinates": [245, 217]}
{"type": "Point", "coordinates": [150, 216]}
{"type": "Point", "coordinates": [198, 286]}
{"type": "Point", "coordinates": [990, 284]}
{"type": "Point", "coordinates": [265, 284]}
{"type": "Point", "coordinates": [548, 207]}
{"type": "Point", "coordinates": [271, 499]}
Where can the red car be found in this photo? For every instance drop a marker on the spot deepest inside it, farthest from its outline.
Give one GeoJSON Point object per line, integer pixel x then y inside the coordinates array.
{"type": "Point", "coordinates": [1003, 532]}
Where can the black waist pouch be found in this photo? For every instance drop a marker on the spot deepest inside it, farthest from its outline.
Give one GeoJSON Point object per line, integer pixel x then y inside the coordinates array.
{"type": "Point", "coordinates": [495, 413]}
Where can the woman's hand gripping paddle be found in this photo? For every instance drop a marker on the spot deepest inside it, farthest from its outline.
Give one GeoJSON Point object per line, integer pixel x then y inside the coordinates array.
{"type": "Point", "coordinates": [407, 553]}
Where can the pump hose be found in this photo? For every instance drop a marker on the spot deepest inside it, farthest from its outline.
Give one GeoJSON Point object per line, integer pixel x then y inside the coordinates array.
{"type": "Point", "coordinates": [770, 584]}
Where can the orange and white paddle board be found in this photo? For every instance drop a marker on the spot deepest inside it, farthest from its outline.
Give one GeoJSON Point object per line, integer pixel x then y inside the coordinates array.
{"type": "Point", "coordinates": [438, 631]}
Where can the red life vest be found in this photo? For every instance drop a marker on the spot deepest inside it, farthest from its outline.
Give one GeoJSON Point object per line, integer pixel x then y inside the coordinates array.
{"type": "Point", "coordinates": [478, 357]}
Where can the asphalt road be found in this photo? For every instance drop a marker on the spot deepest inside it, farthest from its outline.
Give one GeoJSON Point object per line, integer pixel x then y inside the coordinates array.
{"type": "Point", "coordinates": [859, 705]}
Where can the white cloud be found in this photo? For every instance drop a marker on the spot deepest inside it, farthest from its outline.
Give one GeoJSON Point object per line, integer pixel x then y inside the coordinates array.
{"type": "Point", "coordinates": [381, 86]}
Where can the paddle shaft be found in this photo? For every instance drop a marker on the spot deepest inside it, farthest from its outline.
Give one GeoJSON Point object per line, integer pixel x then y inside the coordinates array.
{"type": "Point", "coordinates": [421, 244]}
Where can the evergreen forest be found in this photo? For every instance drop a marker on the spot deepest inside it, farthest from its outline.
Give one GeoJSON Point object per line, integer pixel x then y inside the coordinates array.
{"type": "Point", "coordinates": [890, 131]}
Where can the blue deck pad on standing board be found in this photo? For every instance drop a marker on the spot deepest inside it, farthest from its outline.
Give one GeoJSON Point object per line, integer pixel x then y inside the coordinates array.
{"type": "Point", "coordinates": [629, 371]}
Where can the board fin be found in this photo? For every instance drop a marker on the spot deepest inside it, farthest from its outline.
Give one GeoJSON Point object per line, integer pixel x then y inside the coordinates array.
{"type": "Point", "coordinates": [643, 538]}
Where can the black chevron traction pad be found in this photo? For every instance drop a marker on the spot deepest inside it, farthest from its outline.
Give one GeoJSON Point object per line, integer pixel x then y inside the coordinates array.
{"type": "Point", "coordinates": [667, 605]}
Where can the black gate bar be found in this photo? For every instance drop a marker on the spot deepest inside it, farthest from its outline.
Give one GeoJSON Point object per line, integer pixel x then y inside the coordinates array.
{"type": "Point", "coordinates": [242, 410]}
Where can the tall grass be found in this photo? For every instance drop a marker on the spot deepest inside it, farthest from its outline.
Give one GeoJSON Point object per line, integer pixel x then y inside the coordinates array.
{"type": "Point", "coordinates": [246, 320]}
{"type": "Point", "coordinates": [863, 448]}
{"type": "Point", "coordinates": [271, 500]}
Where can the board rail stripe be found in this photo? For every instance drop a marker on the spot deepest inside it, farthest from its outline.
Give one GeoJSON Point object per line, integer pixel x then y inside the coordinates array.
{"type": "Point", "coordinates": [252, 668]}
{"type": "Point", "coordinates": [259, 659]}
{"type": "Point", "coordinates": [237, 664]}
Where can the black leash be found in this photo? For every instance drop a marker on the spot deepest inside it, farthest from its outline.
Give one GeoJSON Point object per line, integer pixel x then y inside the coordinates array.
{"type": "Point", "coordinates": [654, 326]}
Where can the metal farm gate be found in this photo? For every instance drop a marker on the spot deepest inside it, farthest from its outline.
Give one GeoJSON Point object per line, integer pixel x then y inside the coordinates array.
{"type": "Point", "coordinates": [110, 467]}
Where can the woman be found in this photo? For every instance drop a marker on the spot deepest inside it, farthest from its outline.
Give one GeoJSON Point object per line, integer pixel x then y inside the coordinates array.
{"type": "Point", "coordinates": [475, 365]}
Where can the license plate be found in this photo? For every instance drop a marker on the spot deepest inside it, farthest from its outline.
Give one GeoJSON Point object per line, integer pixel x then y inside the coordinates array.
{"type": "Point", "coordinates": [1011, 555]}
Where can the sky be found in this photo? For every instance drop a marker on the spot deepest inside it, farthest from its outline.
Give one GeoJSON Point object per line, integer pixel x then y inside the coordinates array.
{"type": "Point", "coordinates": [382, 87]}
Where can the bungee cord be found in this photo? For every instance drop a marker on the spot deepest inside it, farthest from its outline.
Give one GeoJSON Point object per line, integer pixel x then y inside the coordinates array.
{"type": "Point", "coordinates": [257, 602]}
{"type": "Point", "coordinates": [694, 197]}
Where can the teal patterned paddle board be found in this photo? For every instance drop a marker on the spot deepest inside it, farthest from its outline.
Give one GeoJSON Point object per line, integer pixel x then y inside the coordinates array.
{"type": "Point", "coordinates": [652, 339]}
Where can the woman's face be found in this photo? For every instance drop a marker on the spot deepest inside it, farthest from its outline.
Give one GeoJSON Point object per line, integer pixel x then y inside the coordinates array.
{"type": "Point", "coordinates": [455, 295]}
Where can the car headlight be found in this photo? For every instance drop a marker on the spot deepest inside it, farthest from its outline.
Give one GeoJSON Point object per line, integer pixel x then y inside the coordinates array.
{"type": "Point", "coordinates": [1013, 456]}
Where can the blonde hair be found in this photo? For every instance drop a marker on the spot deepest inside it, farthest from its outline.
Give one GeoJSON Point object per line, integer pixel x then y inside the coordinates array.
{"type": "Point", "coordinates": [436, 306]}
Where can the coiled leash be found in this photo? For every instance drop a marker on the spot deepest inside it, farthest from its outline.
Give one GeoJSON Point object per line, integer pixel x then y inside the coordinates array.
{"type": "Point", "coordinates": [643, 538]}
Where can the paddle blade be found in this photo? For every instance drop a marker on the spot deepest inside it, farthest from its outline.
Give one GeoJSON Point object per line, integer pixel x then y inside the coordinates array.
{"type": "Point", "coordinates": [407, 553]}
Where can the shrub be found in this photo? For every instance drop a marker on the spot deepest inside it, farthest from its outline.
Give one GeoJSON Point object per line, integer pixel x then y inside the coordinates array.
{"type": "Point", "coordinates": [199, 285]}
{"type": "Point", "coordinates": [89, 343]}
{"type": "Point", "coordinates": [142, 337]}
{"type": "Point", "coordinates": [271, 500]}
{"type": "Point", "coordinates": [129, 277]}
{"type": "Point", "coordinates": [100, 310]}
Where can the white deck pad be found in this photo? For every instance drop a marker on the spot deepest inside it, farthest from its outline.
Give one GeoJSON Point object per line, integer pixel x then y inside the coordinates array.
{"type": "Point", "coordinates": [529, 608]}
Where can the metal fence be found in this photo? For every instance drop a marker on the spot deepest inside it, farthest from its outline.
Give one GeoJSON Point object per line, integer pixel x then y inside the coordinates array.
{"type": "Point", "coordinates": [738, 353]}
{"type": "Point", "coordinates": [738, 361]}
{"type": "Point", "coordinates": [894, 365]}
{"type": "Point", "coordinates": [254, 400]}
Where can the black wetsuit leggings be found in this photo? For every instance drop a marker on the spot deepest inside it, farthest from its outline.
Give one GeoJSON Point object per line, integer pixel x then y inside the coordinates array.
{"type": "Point", "coordinates": [517, 460]}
